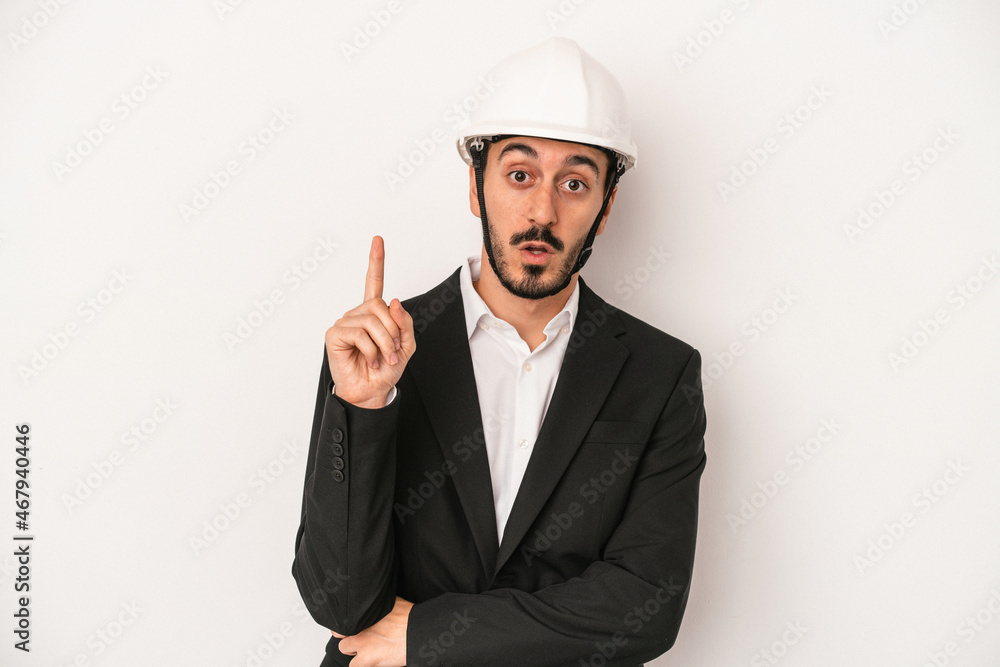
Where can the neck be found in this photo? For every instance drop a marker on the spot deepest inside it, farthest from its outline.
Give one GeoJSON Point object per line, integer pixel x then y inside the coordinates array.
{"type": "Point", "coordinates": [527, 316]}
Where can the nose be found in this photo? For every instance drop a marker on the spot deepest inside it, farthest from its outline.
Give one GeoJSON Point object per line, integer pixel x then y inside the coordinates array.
{"type": "Point", "coordinates": [541, 205]}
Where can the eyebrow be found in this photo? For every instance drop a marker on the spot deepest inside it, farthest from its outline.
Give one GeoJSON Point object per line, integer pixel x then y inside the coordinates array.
{"type": "Point", "coordinates": [575, 160]}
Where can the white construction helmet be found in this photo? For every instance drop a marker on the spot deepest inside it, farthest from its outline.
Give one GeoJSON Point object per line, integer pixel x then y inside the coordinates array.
{"type": "Point", "coordinates": [553, 90]}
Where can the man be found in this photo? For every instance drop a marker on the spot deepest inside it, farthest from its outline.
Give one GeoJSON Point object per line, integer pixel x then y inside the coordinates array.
{"type": "Point", "coordinates": [504, 470]}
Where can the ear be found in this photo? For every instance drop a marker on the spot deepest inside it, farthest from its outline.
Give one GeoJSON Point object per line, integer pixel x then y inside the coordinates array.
{"type": "Point", "coordinates": [607, 212]}
{"type": "Point", "coordinates": [473, 193]}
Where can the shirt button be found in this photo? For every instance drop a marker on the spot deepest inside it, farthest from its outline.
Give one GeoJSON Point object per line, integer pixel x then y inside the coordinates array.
{"type": "Point", "coordinates": [523, 444]}
{"type": "Point", "coordinates": [565, 330]}
{"type": "Point", "coordinates": [484, 326]}
{"type": "Point", "coordinates": [527, 365]}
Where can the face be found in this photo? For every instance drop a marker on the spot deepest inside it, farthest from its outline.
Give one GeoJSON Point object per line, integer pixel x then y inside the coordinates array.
{"type": "Point", "coordinates": [542, 196]}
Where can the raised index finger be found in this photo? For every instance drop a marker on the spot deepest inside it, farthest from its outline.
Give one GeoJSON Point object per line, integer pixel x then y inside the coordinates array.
{"type": "Point", "coordinates": [376, 269]}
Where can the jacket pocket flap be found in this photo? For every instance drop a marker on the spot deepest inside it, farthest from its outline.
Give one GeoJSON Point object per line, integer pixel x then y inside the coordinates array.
{"type": "Point", "coordinates": [616, 432]}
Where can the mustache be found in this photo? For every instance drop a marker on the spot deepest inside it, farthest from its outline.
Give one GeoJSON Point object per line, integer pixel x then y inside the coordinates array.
{"type": "Point", "coordinates": [541, 234]}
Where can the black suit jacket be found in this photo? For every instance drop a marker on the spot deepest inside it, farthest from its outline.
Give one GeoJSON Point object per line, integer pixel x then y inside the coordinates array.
{"type": "Point", "coordinates": [597, 554]}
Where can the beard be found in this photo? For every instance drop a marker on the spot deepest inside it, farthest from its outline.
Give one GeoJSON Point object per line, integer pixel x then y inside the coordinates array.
{"type": "Point", "coordinates": [537, 281]}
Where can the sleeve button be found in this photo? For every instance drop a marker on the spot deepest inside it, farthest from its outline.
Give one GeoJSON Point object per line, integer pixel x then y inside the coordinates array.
{"type": "Point", "coordinates": [338, 435]}
{"type": "Point", "coordinates": [338, 476]}
{"type": "Point", "coordinates": [337, 450]}
{"type": "Point", "coordinates": [338, 463]}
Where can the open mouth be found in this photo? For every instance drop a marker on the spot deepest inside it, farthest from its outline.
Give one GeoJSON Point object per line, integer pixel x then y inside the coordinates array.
{"type": "Point", "coordinates": [535, 254]}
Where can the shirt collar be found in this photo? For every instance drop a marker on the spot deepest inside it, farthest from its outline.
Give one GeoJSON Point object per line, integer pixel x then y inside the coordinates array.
{"type": "Point", "coordinates": [476, 308]}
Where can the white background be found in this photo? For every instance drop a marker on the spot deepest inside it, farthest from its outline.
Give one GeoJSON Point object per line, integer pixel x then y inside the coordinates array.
{"type": "Point", "coordinates": [889, 91]}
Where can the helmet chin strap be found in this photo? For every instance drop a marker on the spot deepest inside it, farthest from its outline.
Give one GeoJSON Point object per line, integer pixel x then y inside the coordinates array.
{"type": "Point", "coordinates": [476, 150]}
{"type": "Point", "coordinates": [588, 244]}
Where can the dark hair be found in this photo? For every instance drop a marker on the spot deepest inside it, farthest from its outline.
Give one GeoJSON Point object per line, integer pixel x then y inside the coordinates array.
{"type": "Point", "coordinates": [612, 164]}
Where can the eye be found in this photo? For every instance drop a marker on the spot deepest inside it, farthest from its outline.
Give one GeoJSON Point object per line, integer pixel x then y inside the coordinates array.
{"type": "Point", "coordinates": [519, 176]}
{"type": "Point", "coordinates": [576, 185]}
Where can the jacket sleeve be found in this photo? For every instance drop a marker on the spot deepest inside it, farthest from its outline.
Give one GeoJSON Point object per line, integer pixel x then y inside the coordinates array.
{"type": "Point", "coordinates": [344, 564]}
{"type": "Point", "coordinates": [623, 609]}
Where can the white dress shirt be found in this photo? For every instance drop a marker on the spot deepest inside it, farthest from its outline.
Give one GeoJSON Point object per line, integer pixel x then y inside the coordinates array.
{"type": "Point", "coordinates": [514, 384]}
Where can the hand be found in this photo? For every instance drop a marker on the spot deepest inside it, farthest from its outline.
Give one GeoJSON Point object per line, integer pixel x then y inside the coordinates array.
{"type": "Point", "coordinates": [383, 644]}
{"type": "Point", "coordinates": [369, 346]}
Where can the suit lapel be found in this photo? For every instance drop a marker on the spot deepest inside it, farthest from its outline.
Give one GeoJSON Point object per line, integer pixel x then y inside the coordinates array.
{"type": "Point", "coordinates": [594, 358]}
{"type": "Point", "coordinates": [443, 372]}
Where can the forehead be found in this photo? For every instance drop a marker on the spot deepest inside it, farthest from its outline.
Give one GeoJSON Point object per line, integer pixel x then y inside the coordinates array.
{"type": "Point", "coordinates": [553, 148]}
